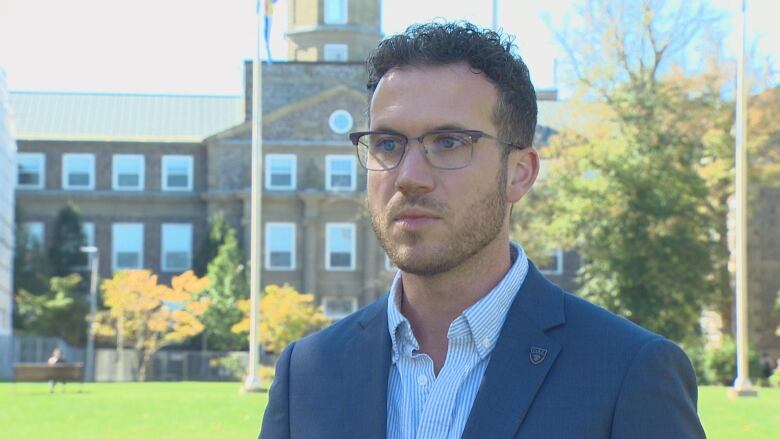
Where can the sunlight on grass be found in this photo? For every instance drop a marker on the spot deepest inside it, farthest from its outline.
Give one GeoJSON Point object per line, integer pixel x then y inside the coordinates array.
{"type": "Point", "coordinates": [210, 410]}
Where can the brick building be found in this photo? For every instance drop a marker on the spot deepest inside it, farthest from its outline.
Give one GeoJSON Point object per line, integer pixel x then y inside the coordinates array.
{"type": "Point", "coordinates": [148, 171]}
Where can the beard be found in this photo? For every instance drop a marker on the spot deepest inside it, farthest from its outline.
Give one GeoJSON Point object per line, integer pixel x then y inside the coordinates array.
{"type": "Point", "coordinates": [471, 230]}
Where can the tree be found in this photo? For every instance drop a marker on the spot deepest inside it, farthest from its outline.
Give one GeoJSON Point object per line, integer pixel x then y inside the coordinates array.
{"type": "Point", "coordinates": [228, 285]}
{"type": "Point", "coordinates": [149, 316]}
{"type": "Point", "coordinates": [59, 312]}
{"type": "Point", "coordinates": [211, 243]}
{"type": "Point", "coordinates": [31, 267]}
{"type": "Point", "coordinates": [285, 316]}
{"type": "Point", "coordinates": [67, 239]}
{"type": "Point", "coordinates": [639, 189]}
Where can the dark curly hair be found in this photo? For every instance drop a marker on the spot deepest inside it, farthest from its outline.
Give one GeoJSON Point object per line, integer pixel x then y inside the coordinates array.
{"type": "Point", "coordinates": [484, 50]}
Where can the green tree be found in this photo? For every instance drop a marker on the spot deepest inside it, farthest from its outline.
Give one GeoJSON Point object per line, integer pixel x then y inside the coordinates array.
{"type": "Point", "coordinates": [638, 189]}
{"type": "Point", "coordinates": [227, 275]}
{"type": "Point", "coordinates": [211, 243]}
{"type": "Point", "coordinates": [59, 312]}
{"type": "Point", "coordinates": [67, 240]}
{"type": "Point", "coordinates": [30, 264]}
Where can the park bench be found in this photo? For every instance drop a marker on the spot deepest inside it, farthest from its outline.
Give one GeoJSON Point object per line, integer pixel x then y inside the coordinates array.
{"type": "Point", "coordinates": [41, 372]}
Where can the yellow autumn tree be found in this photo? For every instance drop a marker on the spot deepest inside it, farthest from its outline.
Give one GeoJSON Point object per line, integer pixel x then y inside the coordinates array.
{"type": "Point", "coordinates": [148, 316]}
{"type": "Point", "coordinates": [285, 316]}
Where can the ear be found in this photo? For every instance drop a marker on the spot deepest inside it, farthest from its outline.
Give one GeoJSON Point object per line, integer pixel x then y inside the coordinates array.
{"type": "Point", "coordinates": [522, 169]}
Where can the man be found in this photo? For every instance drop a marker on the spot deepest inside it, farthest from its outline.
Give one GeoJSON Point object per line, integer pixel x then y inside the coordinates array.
{"type": "Point", "coordinates": [471, 340]}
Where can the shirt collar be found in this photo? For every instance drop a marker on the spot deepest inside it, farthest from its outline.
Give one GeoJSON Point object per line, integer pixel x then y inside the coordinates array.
{"type": "Point", "coordinates": [484, 318]}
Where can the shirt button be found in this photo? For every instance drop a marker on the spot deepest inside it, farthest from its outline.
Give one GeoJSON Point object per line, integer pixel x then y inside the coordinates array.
{"type": "Point", "coordinates": [422, 380]}
{"type": "Point", "coordinates": [486, 342]}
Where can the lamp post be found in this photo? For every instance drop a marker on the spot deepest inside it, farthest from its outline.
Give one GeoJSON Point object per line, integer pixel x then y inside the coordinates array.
{"type": "Point", "coordinates": [94, 259]}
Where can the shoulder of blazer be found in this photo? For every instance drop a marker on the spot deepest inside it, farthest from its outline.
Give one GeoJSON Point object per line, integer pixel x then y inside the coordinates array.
{"type": "Point", "coordinates": [345, 329]}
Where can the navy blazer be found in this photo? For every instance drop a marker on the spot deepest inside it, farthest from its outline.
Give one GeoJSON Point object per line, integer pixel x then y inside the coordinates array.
{"type": "Point", "coordinates": [561, 368]}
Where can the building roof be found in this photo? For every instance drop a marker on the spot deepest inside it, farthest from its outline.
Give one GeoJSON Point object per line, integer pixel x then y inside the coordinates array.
{"type": "Point", "coordinates": [122, 117]}
{"type": "Point", "coordinates": [165, 118]}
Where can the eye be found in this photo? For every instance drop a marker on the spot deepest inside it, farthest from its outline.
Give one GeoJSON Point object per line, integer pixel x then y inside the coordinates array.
{"type": "Point", "coordinates": [384, 143]}
{"type": "Point", "coordinates": [448, 141]}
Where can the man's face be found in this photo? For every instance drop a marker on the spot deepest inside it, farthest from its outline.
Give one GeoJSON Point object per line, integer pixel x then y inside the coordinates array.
{"type": "Point", "coordinates": [431, 220]}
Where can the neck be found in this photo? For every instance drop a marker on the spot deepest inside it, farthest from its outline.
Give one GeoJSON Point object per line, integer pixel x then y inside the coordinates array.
{"type": "Point", "coordinates": [431, 303]}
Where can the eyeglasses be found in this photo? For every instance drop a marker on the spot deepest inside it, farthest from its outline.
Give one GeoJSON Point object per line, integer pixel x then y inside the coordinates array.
{"type": "Point", "coordinates": [444, 149]}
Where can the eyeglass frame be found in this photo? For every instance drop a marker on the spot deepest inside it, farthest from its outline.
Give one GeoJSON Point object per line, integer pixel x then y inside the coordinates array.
{"type": "Point", "coordinates": [474, 136]}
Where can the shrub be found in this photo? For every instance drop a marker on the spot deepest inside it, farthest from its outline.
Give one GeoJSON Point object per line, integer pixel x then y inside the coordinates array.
{"type": "Point", "coordinates": [722, 363]}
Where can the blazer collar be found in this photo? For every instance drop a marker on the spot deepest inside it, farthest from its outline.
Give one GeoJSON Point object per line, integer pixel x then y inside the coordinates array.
{"type": "Point", "coordinates": [520, 361]}
{"type": "Point", "coordinates": [366, 370]}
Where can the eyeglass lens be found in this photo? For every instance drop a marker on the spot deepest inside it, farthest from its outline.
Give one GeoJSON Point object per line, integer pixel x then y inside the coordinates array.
{"type": "Point", "coordinates": [444, 150]}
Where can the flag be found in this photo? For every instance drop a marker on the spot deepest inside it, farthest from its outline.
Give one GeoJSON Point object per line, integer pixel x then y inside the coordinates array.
{"type": "Point", "coordinates": [268, 13]}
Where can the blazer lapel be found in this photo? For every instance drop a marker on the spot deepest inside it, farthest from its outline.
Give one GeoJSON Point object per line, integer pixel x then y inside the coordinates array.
{"type": "Point", "coordinates": [366, 370]}
{"type": "Point", "coordinates": [520, 361]}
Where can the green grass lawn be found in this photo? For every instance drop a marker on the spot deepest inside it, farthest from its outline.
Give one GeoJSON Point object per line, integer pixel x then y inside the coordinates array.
{"type": "Point", "coordinates": [218, 410]}
{"type": "Point", "coordinates": [130, 410]}
{"type": "Point", "coordinates": [752, 418]}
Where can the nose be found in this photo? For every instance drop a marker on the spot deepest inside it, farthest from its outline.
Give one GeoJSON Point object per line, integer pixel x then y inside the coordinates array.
{"type": "Point", "coordinates": [414, 171]}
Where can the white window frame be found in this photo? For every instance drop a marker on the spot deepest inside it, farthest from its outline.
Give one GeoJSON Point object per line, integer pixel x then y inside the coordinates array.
{"type": "Point", "coordinates": [329, 159]}
{"type": "Point", "coordinates": [335, 52]}
{"type": "Point", "coordinates": [334, 117]}
{"type": "Point", "coordinates": [268, 231]}
{"type": "Point", "coordinates": [88, 229]}
{"type": "Point", "coordinates": [329, 18]}
{"type": "Point", "coordinates": [353, 250]}
{"type": "Point", "coordinates": [114, 258]}
{"type": "Point", "coordinates": [115, 159]}
{"type": "Point", "coordinates": [337, 316]}
{"type": "Point", "coordinates": [164, 267]}
{"type": "Point", "coordinates": [28, 226]}
{"type": "Point", "coordinates": [269, 158]}
{"type": "Point", "coordinates": [557, 257]}
{"type": "Point", "coordinates": [41, 159]}
{"type": "Point", "coordinates": [190, 172]}
{"type": "Point", "coordinates": [66, 158]}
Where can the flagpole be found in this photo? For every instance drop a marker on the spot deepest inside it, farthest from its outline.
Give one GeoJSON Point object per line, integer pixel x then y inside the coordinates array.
{"type": "Point", "coordinates": [742, 385]}
{"type": "Point", "coordinates": [252, 382]}
{"type": "Point", "coordinates": [494, 22]}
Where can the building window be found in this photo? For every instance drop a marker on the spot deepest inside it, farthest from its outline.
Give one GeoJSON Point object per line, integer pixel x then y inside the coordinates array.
{"type": "Point", "coordinates": [335, 52]}
{"type": "Point", "coordinates": [128, 172]}
{"type": "Point", "coordinates": [176, 247]}
{"type": "Point", "coordinates": [338, 307]}
{"type": "Point", "coordinates": [280, 171]}
{"type": "Point", "coordinates": [127, 246]}
{"type": "Point", "coordinates": [78, 171]}
{"type": "Point", "coordinates": [340, 174]}
{"type": "Point", "coordinates": [335, 12]}
{"type": "Point", "coordinates": [177, 173]}
{"type": "Point", "coordinates": [88, 229]}
{"type": "Point", "coordinates": [340, 121]}
{"type": "Point", "coordinates": [340, 246]}
{"type": "Point", "coordinates": [280, 246]}
{"type": "Point", "coordinates": [31, 170]}
{"type": "Point", "coordinates": [35, 234]}
{"type": "Point", "coordinates": [554, 263]}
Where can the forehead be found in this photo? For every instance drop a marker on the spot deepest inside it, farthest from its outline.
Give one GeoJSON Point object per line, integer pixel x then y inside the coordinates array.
{"type": "Point", "coordinates": [418, 98]}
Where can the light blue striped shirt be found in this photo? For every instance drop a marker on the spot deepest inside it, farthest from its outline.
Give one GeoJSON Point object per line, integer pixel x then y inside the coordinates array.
{"type": "Point", "coordinates": [426, 406]}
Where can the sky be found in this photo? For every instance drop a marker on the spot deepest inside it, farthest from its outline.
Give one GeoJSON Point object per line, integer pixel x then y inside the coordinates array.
{"type": "Point", "coordinates": [198, 46]}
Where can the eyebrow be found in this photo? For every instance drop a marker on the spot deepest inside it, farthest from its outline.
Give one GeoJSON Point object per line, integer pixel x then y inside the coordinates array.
{"type": "Point", "coordinates": [444, 127]}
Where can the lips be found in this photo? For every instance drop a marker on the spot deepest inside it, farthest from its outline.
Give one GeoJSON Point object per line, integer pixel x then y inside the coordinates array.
{"type": "Point", "coordinates": [415, 219]}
